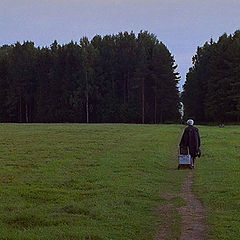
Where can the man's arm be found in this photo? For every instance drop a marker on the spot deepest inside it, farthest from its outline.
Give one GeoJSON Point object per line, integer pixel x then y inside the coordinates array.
{"type": "Point", "coordinates": [184, 139]}
{"type": "Point", "coordinates": [199, 141]}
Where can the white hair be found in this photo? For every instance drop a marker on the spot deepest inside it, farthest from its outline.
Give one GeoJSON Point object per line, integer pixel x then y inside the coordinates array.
{"type": "Point", "coordinates": [190, 122]}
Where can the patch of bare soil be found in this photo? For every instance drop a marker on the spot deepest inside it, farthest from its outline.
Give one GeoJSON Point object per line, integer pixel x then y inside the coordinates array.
{"type": "Point", "coordinates": [193, 214]}
{"type": "Point", "coordinates": [165, 211]}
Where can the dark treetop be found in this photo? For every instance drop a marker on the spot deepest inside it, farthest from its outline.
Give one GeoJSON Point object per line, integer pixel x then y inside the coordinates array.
{"type": "Point", "coordinates": [212, 88]}
{"type": "Point", "coordinates": [115, 78]}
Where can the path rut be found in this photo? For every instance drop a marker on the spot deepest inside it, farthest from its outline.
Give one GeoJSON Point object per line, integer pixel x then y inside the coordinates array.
{"type": "Point", "coordinates": [193, 225]}
{"type": "Point", "coordinates": [193, 214]}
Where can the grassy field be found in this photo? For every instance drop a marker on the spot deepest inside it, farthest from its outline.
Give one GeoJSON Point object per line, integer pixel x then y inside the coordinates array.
{"type": "Point", "coordinates": [217, 180]}
{"type": "Point", "coordinates": [74, 181]}
{"type": "Point", "coordinates": [106, 181]}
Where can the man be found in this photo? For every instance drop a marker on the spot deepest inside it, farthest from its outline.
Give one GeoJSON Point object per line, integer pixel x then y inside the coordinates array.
{"type": "Point", "coordinates": [190, 141]}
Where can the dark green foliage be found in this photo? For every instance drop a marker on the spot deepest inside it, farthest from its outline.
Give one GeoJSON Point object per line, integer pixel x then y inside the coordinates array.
{"type": "Point", "coordinates": [212, 88]}
{"type": "Point", "coordinates": [115, 78]}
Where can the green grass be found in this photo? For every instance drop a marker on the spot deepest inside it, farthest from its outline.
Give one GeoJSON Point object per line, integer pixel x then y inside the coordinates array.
{"type": "Point", "coordinates": [217, 180]}
{"type": "Point", "coordinates": [76, 181]}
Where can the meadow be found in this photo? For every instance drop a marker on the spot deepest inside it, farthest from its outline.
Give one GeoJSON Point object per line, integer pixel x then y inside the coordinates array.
{"type": "Point", "coordinates": [96, 181]}
{"type": "Point", "coordinates": [217, 179]}
{"type": "Point", "coordinates": [111, 181]}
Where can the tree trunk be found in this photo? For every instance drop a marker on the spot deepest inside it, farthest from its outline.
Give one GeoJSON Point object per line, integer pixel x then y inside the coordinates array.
{"type": "Point", "coordinates": [155, 108]}
{"type": "Point", "coordinates": [87, 99]}
{"type": "Point", "coordinates": [20, 109]}
{"type": "Point", "coordinates": [128, 87]}
{"type": "Point", "coordinates": [155, 101]}
{"type": "Point", "coordinates": [113, 87]}
{"type": "Point", "coordinates": [143, 100]}
{"type": "Point", "coordinates": [124, 88]}
{"type": "Point", "coordinates": [161, 115]}
{"type": "Point", "coordinates": [26, 112]}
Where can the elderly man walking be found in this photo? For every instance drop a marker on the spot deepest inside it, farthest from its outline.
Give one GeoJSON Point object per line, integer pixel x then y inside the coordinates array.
{"type": "Point", "coordinates": [190, 141]}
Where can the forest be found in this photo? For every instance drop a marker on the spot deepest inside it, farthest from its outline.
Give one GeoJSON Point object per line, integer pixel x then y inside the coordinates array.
{"type": "Point", "coordinates": [124, 78]}
{"type": "Point", "coordinates": [212, 88]}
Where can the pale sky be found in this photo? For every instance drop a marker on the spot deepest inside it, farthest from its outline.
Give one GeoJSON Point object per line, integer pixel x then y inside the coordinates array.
{"type": "Point", "coordinates": [181, 25]}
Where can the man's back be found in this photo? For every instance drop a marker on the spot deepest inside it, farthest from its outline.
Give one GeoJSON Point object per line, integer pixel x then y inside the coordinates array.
{"type": "Point", "coordinates": [191, 139]}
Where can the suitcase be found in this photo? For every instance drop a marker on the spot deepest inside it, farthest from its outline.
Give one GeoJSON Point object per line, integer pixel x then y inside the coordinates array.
{"type": "Point", "coordinates": [184, 158]}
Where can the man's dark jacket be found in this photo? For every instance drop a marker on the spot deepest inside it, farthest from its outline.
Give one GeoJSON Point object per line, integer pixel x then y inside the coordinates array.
{"type": "Point", "coordinates": [191, 139]}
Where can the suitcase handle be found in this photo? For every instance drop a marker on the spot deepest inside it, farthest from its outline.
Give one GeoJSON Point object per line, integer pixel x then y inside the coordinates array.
{"type": "Point", "coordinates": [179, 152]}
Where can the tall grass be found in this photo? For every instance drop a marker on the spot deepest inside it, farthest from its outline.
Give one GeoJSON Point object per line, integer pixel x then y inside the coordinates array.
{"type": "Point", "coordinates": [75, 181]}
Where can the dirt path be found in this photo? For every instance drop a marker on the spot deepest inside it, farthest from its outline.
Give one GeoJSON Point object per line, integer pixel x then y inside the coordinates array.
{"type": "Point", "coordinates": [193, 214]}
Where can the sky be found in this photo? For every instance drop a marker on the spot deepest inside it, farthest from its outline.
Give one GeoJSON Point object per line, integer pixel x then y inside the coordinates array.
{"type": "Point", "coordinates": [182, 25]}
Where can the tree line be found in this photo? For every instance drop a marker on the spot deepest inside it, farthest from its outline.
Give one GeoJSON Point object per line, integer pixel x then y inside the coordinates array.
{"type": "Point", "coordinates": [114, 78]}
{"type": "Point", "coordinates": [212, 88]}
